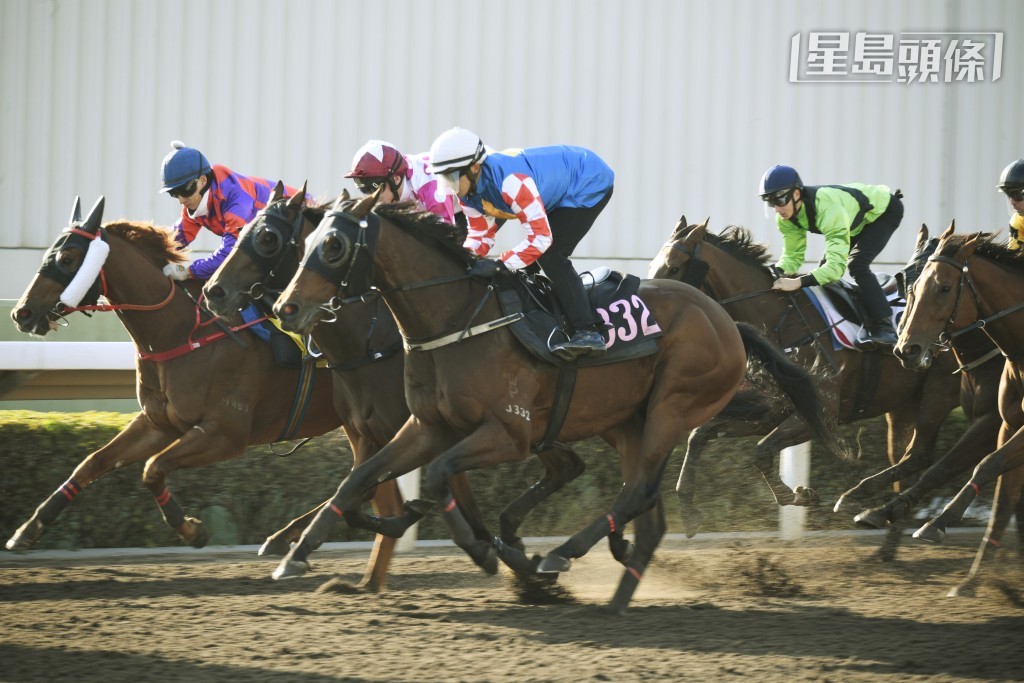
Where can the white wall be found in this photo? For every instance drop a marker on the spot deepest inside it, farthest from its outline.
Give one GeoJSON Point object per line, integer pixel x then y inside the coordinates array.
{"type": "Point", "coordinates": [688, 101]}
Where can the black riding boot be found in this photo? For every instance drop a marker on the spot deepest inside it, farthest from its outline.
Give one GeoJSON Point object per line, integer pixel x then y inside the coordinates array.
{"type": "Point", "coordinates": [876, 334]}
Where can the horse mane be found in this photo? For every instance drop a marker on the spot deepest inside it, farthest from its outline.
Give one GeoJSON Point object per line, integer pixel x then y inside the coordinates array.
{"type": "Point", "coordinates": [988, 246]}
{"type": "Point", "coordinates": [156, 242]}
{"type": "Point", "coordinates": [428, 228]}
{"type": "Point", "coordinates": [314, 214]}
{"type": "Point", "coordinates": [738, 242]}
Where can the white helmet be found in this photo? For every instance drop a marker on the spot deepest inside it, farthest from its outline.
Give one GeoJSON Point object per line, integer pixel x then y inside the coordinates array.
{"type": "Point", "coordinates": [454, 150]}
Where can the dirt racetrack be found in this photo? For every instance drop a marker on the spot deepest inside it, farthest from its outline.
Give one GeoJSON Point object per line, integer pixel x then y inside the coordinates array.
{"type": "Point", "coordinates": [818, 609]}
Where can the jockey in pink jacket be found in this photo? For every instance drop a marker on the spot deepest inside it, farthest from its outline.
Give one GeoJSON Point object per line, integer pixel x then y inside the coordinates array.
{"type": "Point", "coordinates": [404, 176]}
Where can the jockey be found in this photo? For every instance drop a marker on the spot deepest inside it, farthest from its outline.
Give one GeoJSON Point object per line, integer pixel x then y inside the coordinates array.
{"type": "Point", "coordinates": [555, 192]}
{"type": "Point", "coordinates": [857, 221]}
{"type": "Point", "coordinates": [405, 177]}
{"type": "Point", "coordinates": [211, 197]}
{"type": "Point", "coordinates": [1011, 182]}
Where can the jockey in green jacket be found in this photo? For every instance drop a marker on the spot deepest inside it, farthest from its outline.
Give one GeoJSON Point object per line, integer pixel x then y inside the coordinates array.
{"type": "Point", "coordinates": [856, 220]}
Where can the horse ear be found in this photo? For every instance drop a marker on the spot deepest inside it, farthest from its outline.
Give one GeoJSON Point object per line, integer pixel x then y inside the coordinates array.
{"type": "Point", "coordinates": [276, 193]}
{"type": "Point", "coordinates": [696, 235]}
{"type": "Point", "coordinates": [76, 211]}
{"type": "Point", "coordinates": [949, 231]}
{"type": "Point", "coordinates": [345, 196]}
{"type": "Point", "coordinates": [922, 239]}
{"type": "Point", "coordinates": [365, 205]}
{"type": "Point", "coordinates": [704, 225]}
{"type": "Point", "coordinates": [682, 227]}
{"type": "Point", "coordinates": [338, 202]}
{"type": "Point", "coordinates": [299, 198]}
{"type": "Point", "coordinates": [92, 223]}
{"type": "Point", "coordinates": [969, 246]}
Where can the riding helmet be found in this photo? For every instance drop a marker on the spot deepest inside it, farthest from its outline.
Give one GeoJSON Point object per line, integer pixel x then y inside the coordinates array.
{"type": "Point", "coordinates": [183, 165]}
{"type": "Point", "coordinates": [377, 159]}
{"type": "Point", "coordinates": [455, 149]}
{"type": "Point", "coordinates": [779, 178]}
{"type": "Point", "coordinates": [1012, 176]}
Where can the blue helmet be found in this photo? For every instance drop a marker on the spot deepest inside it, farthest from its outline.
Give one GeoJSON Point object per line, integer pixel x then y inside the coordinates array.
{"type": "Point", "coordinates": [183, 165]}
{"type": "Point", "coordinates": [779, 178]}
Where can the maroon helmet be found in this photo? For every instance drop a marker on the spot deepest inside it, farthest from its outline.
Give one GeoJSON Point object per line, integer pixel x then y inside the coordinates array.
{"type": "Point", "coordinates": [375, 162]}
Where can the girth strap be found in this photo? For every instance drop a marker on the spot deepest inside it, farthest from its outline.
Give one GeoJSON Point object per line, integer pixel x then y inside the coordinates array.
{"type": "Point", "coordinates": [560, 408]}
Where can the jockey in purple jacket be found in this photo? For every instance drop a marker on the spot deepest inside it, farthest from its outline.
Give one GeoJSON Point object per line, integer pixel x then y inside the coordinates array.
{"type": "Point", "coordinates": [211, 197]}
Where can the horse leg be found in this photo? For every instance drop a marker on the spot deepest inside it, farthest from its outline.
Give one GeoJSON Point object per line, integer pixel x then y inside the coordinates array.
{"type": "Point", "coordinates": [977, 440]}
{"type": "Point", "coordinates": [792, 431]}
{"type": "Point", "coordinates": [135, 443]}
{"type": "Point", "coordinates": [561, 465]}
{"type": "Point", "coordinates": [487, 446]}
{"type": "Point", "coordinates": [205, 443]}
{"type": "Point", "coordinates": [280, 541]}
{"type": "Point", "coordinates": [991, 467]}
{"type": "Point", "coordinates": [650, 529]}
{"type": "Point", "coordinates": [1007, 494]}
{"type": "Point", "coordinates": [686, 485]}
{"type": "Point", "coordinates": [411, 448]}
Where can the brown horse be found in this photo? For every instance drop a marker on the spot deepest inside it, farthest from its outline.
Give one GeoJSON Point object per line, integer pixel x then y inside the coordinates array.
{"type": "Point", "coordinates": [734, 270]}
{"type": "Point", "coordinates": [479, 399]}
{"type": "Point", "coordinates": [970, 283]}
{"type": "Point", "coordinates": [363, 347]}
{"type": "Point", "coordinates": [204, 398]}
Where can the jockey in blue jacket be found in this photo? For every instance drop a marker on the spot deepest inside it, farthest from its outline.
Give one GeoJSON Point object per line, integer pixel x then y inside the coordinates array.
{"type": "Point", "coordinates": [555, 193]}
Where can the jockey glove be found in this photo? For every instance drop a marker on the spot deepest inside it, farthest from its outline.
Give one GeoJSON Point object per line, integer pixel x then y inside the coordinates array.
{"type": "Point", "coordinates": [485, 267]}
{"type": "Point", "coordinates": [176, 271]}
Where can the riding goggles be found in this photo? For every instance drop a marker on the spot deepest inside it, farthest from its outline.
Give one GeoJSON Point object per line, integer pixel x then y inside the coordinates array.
{"type": "Point", "coordinates": [1014, 193]}
{"type": "Point", "coordinates": [780, 198]}
{"type": "Point", "coordinates": [368, 185]}
{"type": "Point", "coordinates": [186, 190]}
{"type": "Point", "coordinates": [450, 181]}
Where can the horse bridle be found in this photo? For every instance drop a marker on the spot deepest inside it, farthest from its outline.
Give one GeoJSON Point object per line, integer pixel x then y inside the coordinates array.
{"type": "Point", "coordinates": [274, 280]}
{"type": "Point", "coordinates": [947, 335]}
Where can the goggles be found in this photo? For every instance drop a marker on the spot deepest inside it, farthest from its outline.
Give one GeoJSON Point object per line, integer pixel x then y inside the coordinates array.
{"type": "Point", "coordinates": [368, 185]}
{"type": "Point", "coordinates": [780, 198]}
{"type": "Point", "coordinates": [450, 181]}
{"type": "Point", "coordinates": [1014, 193]}
{"type": "Point", "coordinates": [186, 190]}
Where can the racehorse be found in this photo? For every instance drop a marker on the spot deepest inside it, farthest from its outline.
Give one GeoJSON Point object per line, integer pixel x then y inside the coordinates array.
{"type": "Point", "coordinates": [204, 398]}
{"type": "Point", "coordinates": [971, 283]}
{"type": "Point", "coordinates": [479, 399]}
{"type": "Point", "coordinates": [364, 350]}
{"type": "Point", "coordinates": [981, 366]}
{"type": "Point", "coordinates": [735, 270]}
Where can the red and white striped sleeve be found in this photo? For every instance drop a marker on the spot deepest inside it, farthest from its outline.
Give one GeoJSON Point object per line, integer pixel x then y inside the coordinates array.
{"type": "Point", "coordinates": [520, 192]}
{"type": "Point", "coordinates": [480, 231]}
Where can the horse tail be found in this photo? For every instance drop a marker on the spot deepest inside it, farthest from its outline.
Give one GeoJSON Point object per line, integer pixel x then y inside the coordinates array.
{"type": "Point", "coordinates": [796, 382]}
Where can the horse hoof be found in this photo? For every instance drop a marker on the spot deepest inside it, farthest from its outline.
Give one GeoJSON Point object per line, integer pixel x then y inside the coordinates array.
{"type": "Point", "coordinates": [290, 569]}
{"type": "Point", "coordinates": [26, 536]}
{"type": "Point", "coordinates": [277, 546]}
{"type": "Point", "coordinates": [692, 521]}
{"type": "Point", "coordinates": [963, 590]}
{"type": "Point", "coordinates": [871, 519]}
{"type": "Point", "coordinates": [200, 533]}
{"type": "Point", "coordinates": [930, 532]}
{"type": "Point", "coordinates": [554, 564]}
{"type": "Point", "coordinates": [805, 497]}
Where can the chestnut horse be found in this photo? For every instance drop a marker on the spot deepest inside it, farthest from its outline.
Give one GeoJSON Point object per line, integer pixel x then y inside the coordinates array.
{"type": "Point", "coordinates": [735, 270]}
{"type": "Point", "coordinates": [971, 283]}
{"type": "Point", "coordinates": [479, 399]}
{"type": "Point", "coordinates": [204, 398]}
{"type": "Point", "coordinates": [363, 347]}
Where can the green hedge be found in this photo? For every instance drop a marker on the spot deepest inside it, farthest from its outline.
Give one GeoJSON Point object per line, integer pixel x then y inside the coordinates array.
{"type": "Point", "coordinates": [246, 499]}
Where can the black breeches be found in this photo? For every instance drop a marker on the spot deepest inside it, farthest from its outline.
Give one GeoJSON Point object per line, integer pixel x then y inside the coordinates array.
{"type": "Point", "coordinates": [864, 248]}
{"type": "Point", "coordinates": [568, 227]}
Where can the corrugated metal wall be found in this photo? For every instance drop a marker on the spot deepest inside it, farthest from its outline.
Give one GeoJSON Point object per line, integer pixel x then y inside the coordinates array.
{"type": "Point", "coordinates": [688, 101]}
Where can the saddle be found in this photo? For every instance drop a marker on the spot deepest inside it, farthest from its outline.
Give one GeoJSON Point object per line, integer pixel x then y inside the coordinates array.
{"type": "Point", "coordinates": [288, 350]}
{"type": "Point", "coordinates": [845, 297]}
{"type": "Point", "coordinates": [630, 330]}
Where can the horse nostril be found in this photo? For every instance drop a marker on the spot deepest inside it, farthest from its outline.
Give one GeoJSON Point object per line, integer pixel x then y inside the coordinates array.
{"type": "Point", "coordinates": [215, 293]}
{"type": "Point", "coordinates": [23, 314]}
{"type": "Point", "coordinates": [287, 310]}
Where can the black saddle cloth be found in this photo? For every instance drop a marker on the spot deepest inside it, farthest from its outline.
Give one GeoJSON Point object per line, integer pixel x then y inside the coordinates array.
{"type": "Point", "coordinates": [630, 330]}
{"type": "Point", "coordinates": [846, 297]}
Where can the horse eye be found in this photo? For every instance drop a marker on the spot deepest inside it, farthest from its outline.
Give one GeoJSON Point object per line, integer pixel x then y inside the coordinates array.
{"type": "Point", "coordinates": [267, 242]}
{"type": "Point", "coordinates": [67, 261]}
{"type": "Point", "coordinates": [946, 288]}
{"type": "Point", "coordinates": [333, 250]}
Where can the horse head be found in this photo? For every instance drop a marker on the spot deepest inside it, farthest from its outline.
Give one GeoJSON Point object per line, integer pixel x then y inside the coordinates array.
{"type": "Point", "coordinates": [679, 259]}
{"type": "Point", "coordinates": [264, 259]}
{"type": "Point", "coordinates": [68, 275]}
